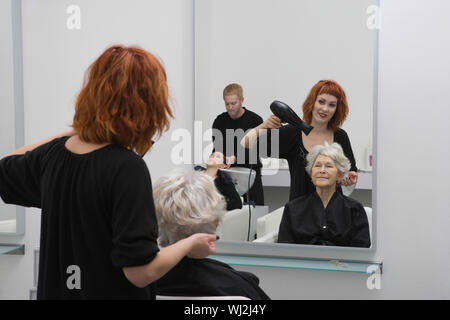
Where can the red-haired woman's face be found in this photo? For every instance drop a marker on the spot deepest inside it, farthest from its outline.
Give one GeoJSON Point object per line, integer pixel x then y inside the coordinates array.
{"type": "Point", "coordinates": [324, 109]}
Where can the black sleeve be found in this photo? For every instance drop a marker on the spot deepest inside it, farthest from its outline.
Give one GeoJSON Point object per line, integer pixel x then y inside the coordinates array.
{"type": "Point", "coordinates": [286, 144]}
{"type": "Point", "coordinates": [228, 190]}
{"type": "Point", "coordinates": [360, 227]}
{"type": "Point", "coordinates": [343, 139]}
{"type": "Point", "coordinates": [286, 233]}
{"type": "Point", "coordinates": [258, 120]}
{"type": "Point", "coordinates": [133, 222]}
{"type": "Point", "coordinates": [20, 177]}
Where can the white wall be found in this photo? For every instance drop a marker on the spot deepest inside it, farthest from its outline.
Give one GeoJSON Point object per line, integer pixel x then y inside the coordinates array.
{"type": "Point", "coordinates": [55, 59]}
{"type": "Point", "coordinates": [412, 191]}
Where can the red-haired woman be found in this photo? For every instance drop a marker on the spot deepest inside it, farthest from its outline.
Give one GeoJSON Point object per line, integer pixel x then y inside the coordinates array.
{"type": "Point", "coordinates": [98, 226]}
{"type": "Point", "coordinates": [325, 109]}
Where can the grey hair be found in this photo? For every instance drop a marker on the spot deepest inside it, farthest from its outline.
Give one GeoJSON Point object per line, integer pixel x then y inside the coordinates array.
{"type": "Point", "coordinates": [334, 151]}
{"type": "Point", "coordinates": [186, 202]}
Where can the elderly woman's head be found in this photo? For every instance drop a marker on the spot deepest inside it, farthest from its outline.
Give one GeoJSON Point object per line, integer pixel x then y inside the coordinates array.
{"type": "Point", "coordinates": [186, 202]}
{"type": "Point", "coordinates": [327, 164]}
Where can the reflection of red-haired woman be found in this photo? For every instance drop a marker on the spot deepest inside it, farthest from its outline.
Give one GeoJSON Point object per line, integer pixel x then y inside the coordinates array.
{"type": "Point", "coordinates": [325, 109]}
{"type": "Point", "coordinates": [98, 227]}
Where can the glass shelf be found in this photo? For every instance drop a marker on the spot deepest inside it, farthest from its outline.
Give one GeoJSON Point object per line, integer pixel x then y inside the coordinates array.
{"type": "Point", "coordinates": [16, 249]}
{"type": "Point", "coordinates": [365, 267]}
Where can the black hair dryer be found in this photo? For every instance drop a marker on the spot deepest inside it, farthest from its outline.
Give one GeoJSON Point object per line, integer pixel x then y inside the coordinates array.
{"type": "Point", "coordinates": [286, 114]}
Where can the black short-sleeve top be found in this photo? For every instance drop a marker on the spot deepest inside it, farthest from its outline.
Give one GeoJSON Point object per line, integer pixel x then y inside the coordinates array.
{"type": "Point", "coordinates": [97, 215]}
{"type": "Point", "coordinates": [291, 148]}
{"type": "Point", "coordinates": [244, 157]}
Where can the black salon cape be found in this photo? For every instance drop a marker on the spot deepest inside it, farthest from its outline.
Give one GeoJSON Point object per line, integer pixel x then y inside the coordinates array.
{"type": "Point", "coordinates": [97, 214]}
{"type": "Point", "coordinates": [342, 223]}
{"type": "Point", "coordinates": [208, 277]}
{"type": "Point", "coordinates": [247, 121]}
{"type": "Point", "coordinates": [226, 187]}
{"type": "Point", "coordinates": [292, 149]}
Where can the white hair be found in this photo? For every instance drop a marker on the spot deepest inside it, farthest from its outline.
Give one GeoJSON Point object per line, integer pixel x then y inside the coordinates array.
{"type": "Point", "coordinates": [186, 202]}
{"type": "Point", "coordinates": [334, 151]}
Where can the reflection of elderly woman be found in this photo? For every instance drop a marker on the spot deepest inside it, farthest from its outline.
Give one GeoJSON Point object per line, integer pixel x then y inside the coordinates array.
{"type": "Point", "coordinates": [185, 203]}
{"type": "Point", "coordinates": [325, 217]}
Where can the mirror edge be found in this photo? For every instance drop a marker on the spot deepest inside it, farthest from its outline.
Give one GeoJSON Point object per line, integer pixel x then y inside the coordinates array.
{"type": "Point", "coordinates": [19, 135]}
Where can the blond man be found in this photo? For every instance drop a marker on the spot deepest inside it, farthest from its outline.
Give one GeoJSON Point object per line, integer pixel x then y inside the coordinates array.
{"type": "Point", "coordinates": [228, 127]}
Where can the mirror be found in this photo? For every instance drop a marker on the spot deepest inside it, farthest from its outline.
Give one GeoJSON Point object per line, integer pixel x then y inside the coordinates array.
{"type": "Point", "coordinates": [277, 50]}
{"type": "Point", "coordinates": [12, 218]}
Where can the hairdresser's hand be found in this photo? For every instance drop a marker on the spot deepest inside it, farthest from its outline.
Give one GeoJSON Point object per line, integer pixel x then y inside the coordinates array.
{"type": "Point", "coordinates": [202, 245]}
{"type": "Point", "coordinates": [272, 122]}
{"type": "Point", "coordinates": [229, 161]}
{"type": "Point", "coordinates": [350, 179]}
{"type": "Point", "coordinates": [249, 140]}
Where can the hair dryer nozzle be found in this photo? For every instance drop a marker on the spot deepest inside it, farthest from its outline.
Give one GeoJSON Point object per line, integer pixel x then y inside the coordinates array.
{"type": "Point", "coordinates": [286, 114]}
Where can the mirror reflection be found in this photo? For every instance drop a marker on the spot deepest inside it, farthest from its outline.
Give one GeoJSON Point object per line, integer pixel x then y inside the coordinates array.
{"type": "Point", "coordinates": [316, 60]}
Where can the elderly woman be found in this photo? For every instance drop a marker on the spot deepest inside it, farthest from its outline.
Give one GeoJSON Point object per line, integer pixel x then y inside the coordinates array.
{"type": "Point", "coordinates": [325, 217]}
{"type": "Point", "coordinates": [186, 203]}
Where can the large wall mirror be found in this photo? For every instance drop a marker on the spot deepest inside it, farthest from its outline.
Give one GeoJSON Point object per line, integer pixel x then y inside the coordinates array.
{"type": "Point", "coordinates": [12, 218]}
{"type": "Point", "coordinates": [277, 50]}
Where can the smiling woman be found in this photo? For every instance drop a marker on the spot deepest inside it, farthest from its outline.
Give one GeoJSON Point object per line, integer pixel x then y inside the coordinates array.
{"type": "Point", "coordinates": [326, 109]}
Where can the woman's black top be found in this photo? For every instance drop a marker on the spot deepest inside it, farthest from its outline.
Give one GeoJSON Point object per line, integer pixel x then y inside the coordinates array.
{"type": "Point", "coordinates": [292, 149]}
{"type": "Point", "coordinates": [98, 216]}
{"type": "Point", "coordinates": [225, 186]}
{"type": "Point", "coordinates": [208, 277]}
{"type": "Point", "coordinates": [342, 223]}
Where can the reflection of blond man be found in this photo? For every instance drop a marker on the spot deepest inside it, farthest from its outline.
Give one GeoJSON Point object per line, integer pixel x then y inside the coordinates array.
{"type": "Point", "coordinates": [237, 119]}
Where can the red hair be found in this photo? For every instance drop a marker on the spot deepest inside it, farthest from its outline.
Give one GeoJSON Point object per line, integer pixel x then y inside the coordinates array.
{"type": "Point", "coordinates": [332, 88]}
{"type": "Point", "coordinates": [124, 100]}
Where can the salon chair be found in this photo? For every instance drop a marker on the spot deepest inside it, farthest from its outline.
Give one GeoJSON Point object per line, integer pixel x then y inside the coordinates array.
{"type": "Point", "coordinates": [234, 225]}
{"type": "Point", "coordinates": [268, 225]}
{"type": "Point", "coordinates": [8, 225]}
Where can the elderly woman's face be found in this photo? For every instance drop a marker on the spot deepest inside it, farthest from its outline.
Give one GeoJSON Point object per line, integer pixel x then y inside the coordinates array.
{"type": "Point", "coordinates": [324, 172]}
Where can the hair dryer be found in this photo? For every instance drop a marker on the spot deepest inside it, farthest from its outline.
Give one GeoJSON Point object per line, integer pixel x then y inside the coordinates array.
{"type": "Point", "coordinates": [286, 114]}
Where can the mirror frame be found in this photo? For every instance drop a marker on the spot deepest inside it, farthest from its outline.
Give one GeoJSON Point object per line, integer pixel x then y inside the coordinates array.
{"type": "Point", "coordinates": [227, 247]}
{"type": "Point", "coordinates": [16, 18]}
